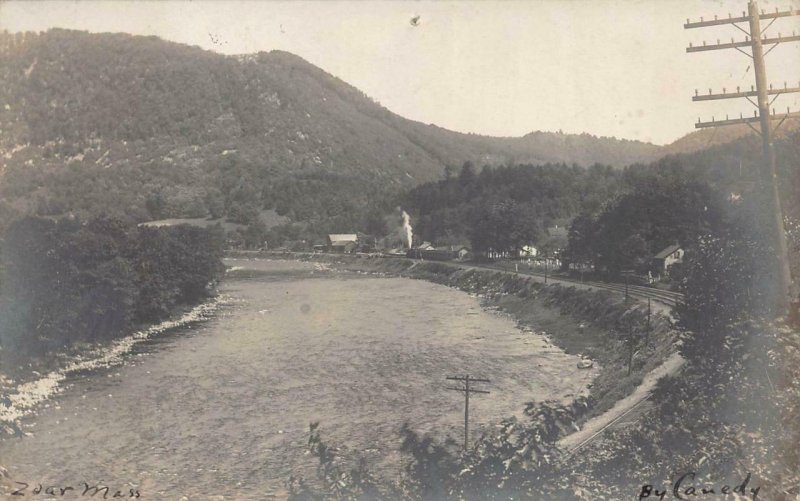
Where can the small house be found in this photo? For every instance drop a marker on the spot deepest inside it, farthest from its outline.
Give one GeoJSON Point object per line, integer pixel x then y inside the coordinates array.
{"type": "Point", "coordinates": [460, 252]}
{"type": "Point", "coordinates": [528, 251]}
{"type": "Point", "coordinates": [343, 242]}
{"type": "Point", "coordinates": [667, 257]}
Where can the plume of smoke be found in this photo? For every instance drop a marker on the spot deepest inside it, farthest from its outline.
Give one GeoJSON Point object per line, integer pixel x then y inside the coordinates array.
{"type": "Point", "coordinates": [407, 232]}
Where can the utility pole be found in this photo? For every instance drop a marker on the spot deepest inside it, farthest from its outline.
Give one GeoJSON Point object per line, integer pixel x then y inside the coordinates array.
{"type": "Point", "coordinates": [467, 390]}
{"type": "Point", "coordinates": [545, 270]}
{"type": "Point", "coordinates": [627, 274]}
{"type": "Point", "coordinates": [755, 39]}
{"type": "Point", "coordinates": [630, 345]}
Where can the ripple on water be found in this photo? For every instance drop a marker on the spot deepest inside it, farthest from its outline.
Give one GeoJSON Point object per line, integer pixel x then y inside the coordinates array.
{"type": "Point", "coordinates": [230, 404]}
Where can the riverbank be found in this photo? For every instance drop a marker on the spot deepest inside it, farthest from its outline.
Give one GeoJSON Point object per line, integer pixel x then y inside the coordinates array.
{"type": "Point", "coordinates": [31, 382]}
{"type": "Point", "coordinates": [299, 342]}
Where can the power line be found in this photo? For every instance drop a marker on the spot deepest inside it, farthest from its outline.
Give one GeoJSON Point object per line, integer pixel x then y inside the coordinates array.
{"type": "Point", "coordinates": [755, 39]}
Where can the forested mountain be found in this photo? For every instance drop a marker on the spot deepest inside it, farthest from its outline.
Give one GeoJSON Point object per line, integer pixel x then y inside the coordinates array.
{"type": "Point", "coordinates": [624, 217]}
{"type": "Point", "coordinates": [143, 128]}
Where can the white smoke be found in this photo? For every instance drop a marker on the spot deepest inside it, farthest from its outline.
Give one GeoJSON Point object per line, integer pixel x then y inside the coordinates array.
{"type": "Point", "coordinates": [407, 233]}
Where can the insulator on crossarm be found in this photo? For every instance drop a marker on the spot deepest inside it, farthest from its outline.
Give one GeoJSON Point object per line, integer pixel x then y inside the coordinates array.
{"type": "Point", "coordinates": [709, 92]}
{"type": "Point", "coordinates": [701, 19]}
{"type": "Point", "coordinates": [724, 91]}
{"type": "Point", "coordinates": [695, 92]}
{"type": "Point", "coordinates": [690, 45]}
{"type": "Point", "coordinates": [770, 86]}
{"type": "Point", "coordinates": [704, 43]}
{"type": "Point", "coordinates": [737, 88]}
{"type": "Point", "coordinates": [715, 17]}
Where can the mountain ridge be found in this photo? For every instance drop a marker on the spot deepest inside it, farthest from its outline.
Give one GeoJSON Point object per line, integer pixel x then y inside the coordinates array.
{"type": "Point", "coordinates": [135, 125]}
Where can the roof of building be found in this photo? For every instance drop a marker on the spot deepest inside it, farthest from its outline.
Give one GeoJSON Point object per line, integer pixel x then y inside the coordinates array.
{"type": "Point", "coordinates": [667, 251]}
{"type": "Point", "coordinates": [342, 237]}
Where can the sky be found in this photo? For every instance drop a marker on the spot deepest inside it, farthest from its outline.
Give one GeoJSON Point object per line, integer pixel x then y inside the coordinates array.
{"type": "Point", "coordinates": [502, 68]}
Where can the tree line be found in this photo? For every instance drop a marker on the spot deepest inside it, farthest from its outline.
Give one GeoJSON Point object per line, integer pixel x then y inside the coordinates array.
{"type": "Point", "coordinates": [68, 280]}
{"type": "Point", "coordinates": [506, 207]}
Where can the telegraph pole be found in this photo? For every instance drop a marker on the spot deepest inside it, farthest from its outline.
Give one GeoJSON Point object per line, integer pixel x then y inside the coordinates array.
{"type": "Point", "coordinates": [755, 39]}
{"type": "Point", "coordinates": [630, 345]}
{"type": "Point", "coordinates": [545, 270]}
{"type": "Point", "coordinates": [647, 335]}
{"type": "Point", "coordinates": [627, 274]}
{"type": "Point", "coordinates": [467, 390]}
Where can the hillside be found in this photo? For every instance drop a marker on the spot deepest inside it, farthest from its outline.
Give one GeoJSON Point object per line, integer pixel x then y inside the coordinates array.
{"type": "Point", "coordinates": [145, 128]}
{"type": "Point", "coordinates": [706, 138]}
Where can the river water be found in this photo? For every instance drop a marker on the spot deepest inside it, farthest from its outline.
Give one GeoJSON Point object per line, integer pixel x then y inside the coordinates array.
{"type": "Point", "coordinates": [223, 407]}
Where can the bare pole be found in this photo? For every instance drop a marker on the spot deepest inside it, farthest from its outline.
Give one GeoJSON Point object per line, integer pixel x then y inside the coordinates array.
{"type": "Point", "coordinates": [466, 411]}
{"type": "Point", "coordinates": [647, 335]}
{"type": "Point", "coordinates": [755, 40]}
{"type": "Point", "coordinates": [630, 345]}
{"type": "Point", "coordinates": [545, 269]}
{"type": "Point", "coordinates": [467, 389]}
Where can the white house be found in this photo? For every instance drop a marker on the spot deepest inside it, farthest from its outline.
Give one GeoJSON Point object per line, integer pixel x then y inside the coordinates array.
{"type": "Point", "coordinates": [667, 257]}
{"type": "Point", "coordinates": [342, 242]}
{"type": "Point", "coordinates": [528, 251]}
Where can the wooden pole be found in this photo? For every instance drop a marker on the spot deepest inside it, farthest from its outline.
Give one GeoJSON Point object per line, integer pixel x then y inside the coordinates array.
{"type": "Point", "coordinates": [647, 334]}
{"type": "Point", "coordinates": [770, 177]}
{"type": "Point", "coordinates": [467, 389]}
{"type": "Point", "coordinates": [466, 413]}
{"type": "Point", "coordinates": [630, 346]}
{"type": "Point", "coordinates": [545, 270]}
{"type": "Point", "coordinates": [756, 40]}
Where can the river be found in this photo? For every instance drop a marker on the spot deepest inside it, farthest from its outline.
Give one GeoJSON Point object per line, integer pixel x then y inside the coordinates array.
{"type": "Point", "coordinates": [222, 407]}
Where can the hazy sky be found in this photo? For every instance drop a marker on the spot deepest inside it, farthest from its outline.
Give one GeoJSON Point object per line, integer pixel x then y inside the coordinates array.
{"type": "Point", "coordinates": [612, 68]}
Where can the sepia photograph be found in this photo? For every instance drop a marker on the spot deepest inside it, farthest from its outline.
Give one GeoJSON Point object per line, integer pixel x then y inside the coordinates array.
{"type": "Point", "coordinates": [446, 250]}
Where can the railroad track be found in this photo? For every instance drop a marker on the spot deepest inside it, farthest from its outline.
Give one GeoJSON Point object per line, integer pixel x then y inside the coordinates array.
{"type": "Point", "coordinates": [668, 298]}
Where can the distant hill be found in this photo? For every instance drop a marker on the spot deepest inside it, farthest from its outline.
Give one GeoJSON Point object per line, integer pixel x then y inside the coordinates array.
{"type": "Point", "coordinates": [147, 129]}
{"type": "Point", "coordinates": [153, 129]}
